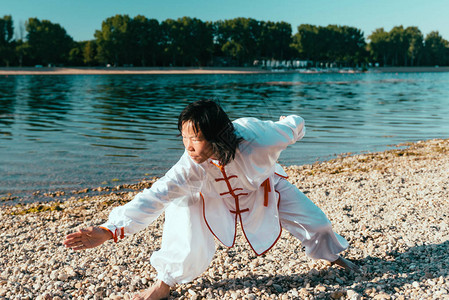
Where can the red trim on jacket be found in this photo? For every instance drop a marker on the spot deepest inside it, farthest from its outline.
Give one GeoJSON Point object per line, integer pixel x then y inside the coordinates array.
{"type": "Point", "coordinates": [266, 190]}
{"type": "Point", "coordinates": [238, 211]}
{"type": "Point", "coordinates": [285, 177]}
{"type": "Point", "coordinates": [113, 237]}
{"type": "Point", "coordinates": [230, 177]}
{"type": "Point", "coordinates": [210, 229]}
{"type": "Point", "coordinates": [118, 232]}
{"type": "Point", "coordinates": [230, 189]}
{"type": "Point", "coordinates": [275, 241]}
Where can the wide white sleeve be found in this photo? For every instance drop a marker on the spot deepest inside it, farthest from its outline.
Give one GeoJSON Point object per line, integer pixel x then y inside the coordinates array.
{"type": "Point", "coordinates": [264, 141]}
{"type": "Point", "coordinates": [180, 185]}
{"type": "Point", "coordinates": [272, 136]}
{"type": "Point", "coordinates": [296, 124]}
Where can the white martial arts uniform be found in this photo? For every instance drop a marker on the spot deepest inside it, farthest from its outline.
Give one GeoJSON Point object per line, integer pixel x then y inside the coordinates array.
{"type": "Point", "coordinates": [206, 200]}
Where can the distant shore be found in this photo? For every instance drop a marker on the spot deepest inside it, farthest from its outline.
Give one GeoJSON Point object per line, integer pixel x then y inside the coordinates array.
{"type": "Point", "coordinates": [126, 70]}
{"type": "Point", "coordinates": [192, 70]}
{"type": "Point", "coordinates": [409, 69]}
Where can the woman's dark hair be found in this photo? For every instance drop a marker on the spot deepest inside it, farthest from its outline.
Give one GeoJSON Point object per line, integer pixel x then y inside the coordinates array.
{"type": "Point", "coordinates": [208, 117]}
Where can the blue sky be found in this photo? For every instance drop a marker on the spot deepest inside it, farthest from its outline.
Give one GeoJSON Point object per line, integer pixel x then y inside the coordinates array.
{"type": "Point", "coordinates": [81, 18]}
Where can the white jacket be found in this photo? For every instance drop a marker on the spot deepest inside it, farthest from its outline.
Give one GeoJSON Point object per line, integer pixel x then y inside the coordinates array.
{"type": "Point", "coordinates": [241, 191]}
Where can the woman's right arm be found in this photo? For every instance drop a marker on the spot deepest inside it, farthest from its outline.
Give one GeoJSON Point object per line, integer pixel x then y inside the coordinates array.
{"type": "Point", "coordinates": [181, 184]}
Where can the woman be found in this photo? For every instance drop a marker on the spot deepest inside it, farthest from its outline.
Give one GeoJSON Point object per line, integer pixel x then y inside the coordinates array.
{"type": "Point", "coordinates": [227, 174]}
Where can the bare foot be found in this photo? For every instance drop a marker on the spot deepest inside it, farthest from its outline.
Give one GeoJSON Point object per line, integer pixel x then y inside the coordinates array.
{"type": "Point", "coordinates": [346, 264]}
{"type": "Point", "coordinates": [160, 290]}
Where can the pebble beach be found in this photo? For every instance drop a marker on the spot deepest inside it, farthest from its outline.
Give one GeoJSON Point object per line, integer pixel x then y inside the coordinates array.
{"type": "Point", "coordinates": [391, 206]}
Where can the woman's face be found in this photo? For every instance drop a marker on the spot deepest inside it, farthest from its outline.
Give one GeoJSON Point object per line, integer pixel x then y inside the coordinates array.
{"type": "Point", "coordinates": [196, 145]}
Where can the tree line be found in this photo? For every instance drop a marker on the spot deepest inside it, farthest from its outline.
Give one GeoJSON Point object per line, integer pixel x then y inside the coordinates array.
{"type": "Point", "coordinates": [139, 41]}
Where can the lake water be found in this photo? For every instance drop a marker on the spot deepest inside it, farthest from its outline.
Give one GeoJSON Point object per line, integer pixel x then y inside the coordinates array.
{"type": "Point", "coordinates": [84, 131]}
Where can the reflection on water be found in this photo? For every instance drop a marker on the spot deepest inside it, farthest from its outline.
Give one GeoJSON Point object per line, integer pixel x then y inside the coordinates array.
{"type": "Point", "coordinates": [72, 132]}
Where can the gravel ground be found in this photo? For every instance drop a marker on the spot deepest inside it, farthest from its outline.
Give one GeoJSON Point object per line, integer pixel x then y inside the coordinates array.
{"type": "Point", "coordinates": [392, 206]}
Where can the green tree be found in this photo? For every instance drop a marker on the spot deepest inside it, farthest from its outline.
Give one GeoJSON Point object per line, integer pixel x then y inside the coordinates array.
{"type": "Point", "coordinates": [114, 40]}
{"type": "Point", "coordinates": [275, 40]}
{"type": "Point", "coordinates": [306, 42]}
{"type": "Point", "coordinates": [48, 43]}
{"type": "Point", "coordinates": [187, 41]}
{"type": "Point", "coordinates": [353, 50]}
{"type": "Point", "coordinates": [201, 43]}
{"type": "Point", "coordinates": [436, 49]}
{"type": "Point", "coordinates": [379, 46]}
{"type": "Point", "coordinates": [171, 42]}
{"type": "Point", "coordinates": [238, 39]}
{"type": "Point", "coordinates": [416, 44]}
{"type": "Point", "coordinates": [6, 40]}
{"type": "Point", "coordinates": [335, 44]}
{"type": "Point", "coordinates": [22, 53]}
{"type": "Point", "coordinates": [399, 46]}
{"type": "Point", "coordinates": [90, 53]}
{"type": "Point", "coordinates": [76, 54]}
{"type": "Point", "coordinates": [146, 39]}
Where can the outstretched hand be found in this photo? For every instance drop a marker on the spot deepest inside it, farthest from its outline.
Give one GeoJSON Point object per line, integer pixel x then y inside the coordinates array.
{"type": "Point", "coordinates": [87, 238]}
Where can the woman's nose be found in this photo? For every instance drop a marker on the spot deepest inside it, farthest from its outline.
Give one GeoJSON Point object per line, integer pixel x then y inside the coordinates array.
{"type": "Point", "coordinates": [189, 145]}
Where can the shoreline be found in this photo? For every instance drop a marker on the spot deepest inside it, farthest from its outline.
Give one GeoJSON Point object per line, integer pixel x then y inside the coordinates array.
{"type": "Point", "coordinates": [127, 71]}
{"type": "Point", "coordinates": [392, 207]}
{"type": "Point", "coordinates": [45, 196]}
{"type": "Point", "coordinates": [11, 71]}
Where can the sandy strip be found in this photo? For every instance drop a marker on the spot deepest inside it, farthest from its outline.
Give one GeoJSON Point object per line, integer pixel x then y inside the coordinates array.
{"type": "Point", "coordinates": [409, 69]}
{"type": "Point", "coordinates": [125, 71]}
{"type": "Point", "coordinates": [189, 70]}
{"type": "Point", "coordinates": [392, 206]}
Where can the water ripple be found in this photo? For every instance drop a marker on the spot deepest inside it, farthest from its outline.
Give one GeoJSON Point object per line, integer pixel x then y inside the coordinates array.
{"type": "Point", "coordinates": [71, 132]}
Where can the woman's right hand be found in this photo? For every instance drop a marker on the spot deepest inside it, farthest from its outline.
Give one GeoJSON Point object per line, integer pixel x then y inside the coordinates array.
{"type": "Point", "coordinates": [87, 238]}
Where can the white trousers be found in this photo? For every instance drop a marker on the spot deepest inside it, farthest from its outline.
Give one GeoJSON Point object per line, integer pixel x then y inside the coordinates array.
{"type": "Point", "coordinates": [188, 245]}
